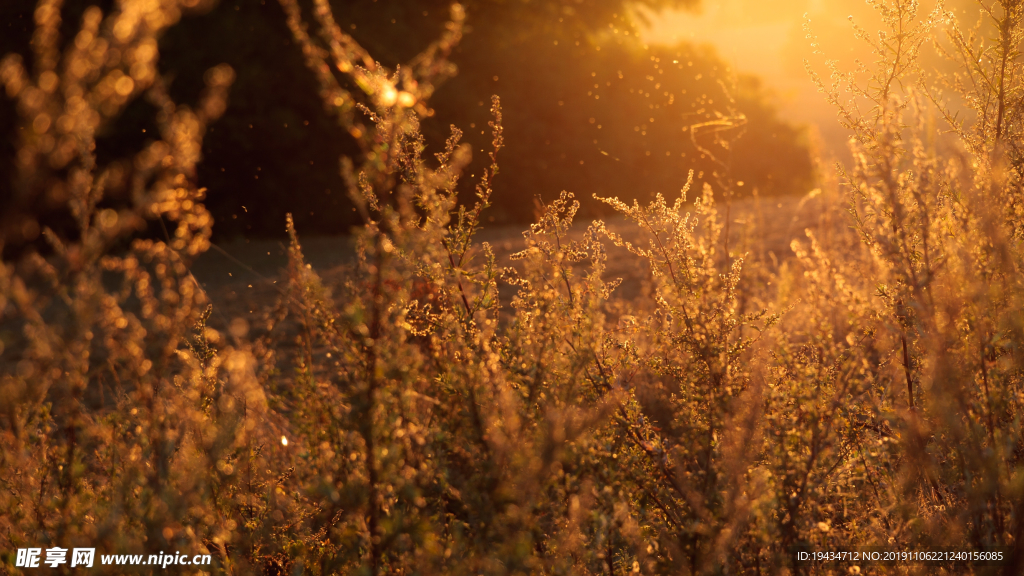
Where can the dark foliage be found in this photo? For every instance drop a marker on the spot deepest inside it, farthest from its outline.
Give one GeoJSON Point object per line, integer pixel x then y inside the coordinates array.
{"type": "Point", "coordinates": [276, 149]}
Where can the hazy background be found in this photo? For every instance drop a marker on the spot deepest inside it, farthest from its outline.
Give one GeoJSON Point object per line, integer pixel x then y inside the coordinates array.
{"type": "Point", "coordinates": [599, 97]}
{"type": "Point", "coordinates": [769, 39]}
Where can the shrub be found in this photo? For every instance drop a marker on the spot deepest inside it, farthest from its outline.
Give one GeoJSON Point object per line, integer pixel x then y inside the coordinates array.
{"type": "Point", "coordinates": [106, 415]}
{"type": "Point", "coordinates": [403, 420]}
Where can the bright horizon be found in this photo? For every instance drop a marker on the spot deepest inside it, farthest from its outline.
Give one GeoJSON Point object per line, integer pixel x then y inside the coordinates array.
{"type": "Point", "coordinates": [767, 39]}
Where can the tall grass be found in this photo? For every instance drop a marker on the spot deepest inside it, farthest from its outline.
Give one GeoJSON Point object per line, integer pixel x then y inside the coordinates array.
{"type": "Point", "coordinates": [107, 414]}
{"type": "Point", "coordinates": [414, 419]}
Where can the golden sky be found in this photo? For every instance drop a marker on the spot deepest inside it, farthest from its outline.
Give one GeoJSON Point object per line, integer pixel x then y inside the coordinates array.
{"type": "Point", "coordinates": [767, 38]}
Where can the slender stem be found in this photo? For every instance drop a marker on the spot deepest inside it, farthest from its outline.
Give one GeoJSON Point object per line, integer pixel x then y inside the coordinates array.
{"type": "Point", "coordinates": [367, 430]}
{"type": "Point", "coordinates": [906, 371]}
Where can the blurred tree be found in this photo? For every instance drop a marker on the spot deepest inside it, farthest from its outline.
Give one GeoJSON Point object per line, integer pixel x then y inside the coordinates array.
{"type": "Point", "coordinates": [588, 107]}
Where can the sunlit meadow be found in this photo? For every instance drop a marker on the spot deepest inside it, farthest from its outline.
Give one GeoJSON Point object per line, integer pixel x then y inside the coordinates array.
{"type": "Point", "coordinates": [670, 390]}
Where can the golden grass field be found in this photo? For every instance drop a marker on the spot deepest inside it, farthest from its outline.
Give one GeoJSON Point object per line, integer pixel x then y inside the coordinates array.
{"type": "Point", "coordinates": [774, 380]}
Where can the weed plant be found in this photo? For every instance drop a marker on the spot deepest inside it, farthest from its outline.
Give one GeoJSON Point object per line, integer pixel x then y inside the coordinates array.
{"type": "Point", "coordinates": [412, 419]}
